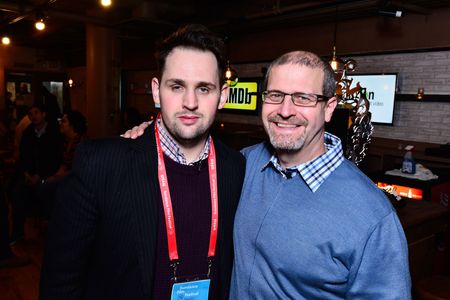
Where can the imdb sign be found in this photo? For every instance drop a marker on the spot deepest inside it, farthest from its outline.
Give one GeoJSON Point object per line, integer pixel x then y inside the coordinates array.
{"type": "Point", "coordinates": [243, 96]}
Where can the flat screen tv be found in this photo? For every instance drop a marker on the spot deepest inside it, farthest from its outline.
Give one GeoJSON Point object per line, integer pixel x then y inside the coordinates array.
{"type": "Point", "coordinates": [380, 91]}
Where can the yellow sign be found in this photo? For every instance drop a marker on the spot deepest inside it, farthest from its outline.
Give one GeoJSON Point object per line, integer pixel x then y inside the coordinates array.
{"type": "Point", "coordinates": [243, 95]}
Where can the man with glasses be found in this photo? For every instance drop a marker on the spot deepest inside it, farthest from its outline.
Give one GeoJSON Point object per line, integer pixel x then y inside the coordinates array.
{"type": "Point", "coordinates": [310, 224]}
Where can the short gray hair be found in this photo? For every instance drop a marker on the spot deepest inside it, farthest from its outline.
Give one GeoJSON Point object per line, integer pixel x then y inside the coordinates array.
{"type": "Point", "coordinates": [307, 59]}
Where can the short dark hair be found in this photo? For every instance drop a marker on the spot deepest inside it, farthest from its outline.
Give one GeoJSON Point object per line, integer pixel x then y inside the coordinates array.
{"type": "Point", "coordinates": [307, 59]}
{"type": "Point", "coordinates": [77, 120]}
{"type": "Point", "coordinates": [193, 36]}
{"type": "Point", "coordinates": [41, 107]}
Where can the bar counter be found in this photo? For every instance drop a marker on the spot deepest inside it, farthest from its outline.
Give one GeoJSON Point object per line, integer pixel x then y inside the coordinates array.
{"type": "Point", "coordinates": [426, 229]}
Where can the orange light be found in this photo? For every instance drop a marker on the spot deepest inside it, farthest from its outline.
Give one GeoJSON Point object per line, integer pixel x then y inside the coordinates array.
{"type": "Point", "coordinates": [405, 191]}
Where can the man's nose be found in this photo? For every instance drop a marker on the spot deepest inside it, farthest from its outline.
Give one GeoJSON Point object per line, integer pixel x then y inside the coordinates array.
{"type": "Point", "coordinates": [190, 100]}
{"type": "Point", "coordinates": [287, 107]}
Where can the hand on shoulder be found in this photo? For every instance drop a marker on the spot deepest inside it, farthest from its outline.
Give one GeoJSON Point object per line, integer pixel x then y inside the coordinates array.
{"type": "Point", "coordinates": [136, 131]}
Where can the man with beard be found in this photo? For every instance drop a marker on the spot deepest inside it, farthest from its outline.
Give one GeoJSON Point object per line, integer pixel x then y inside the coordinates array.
{"type": "Point", "coordinates": [152, 218]}
{"type": "Point", "coordinates": [310, 224]}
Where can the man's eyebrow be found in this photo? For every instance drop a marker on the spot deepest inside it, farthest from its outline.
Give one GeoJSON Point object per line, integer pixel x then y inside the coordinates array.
{"type": "Point", "coordinates": [207, 84]}
{"type": "Point", "coordinates": [178, 81]}
{"type": "Point", "coordinates": [175, 80]}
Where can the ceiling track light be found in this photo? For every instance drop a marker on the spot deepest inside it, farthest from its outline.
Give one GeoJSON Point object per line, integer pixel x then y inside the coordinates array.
{"type": "Point", "coordinates": [391, 13]}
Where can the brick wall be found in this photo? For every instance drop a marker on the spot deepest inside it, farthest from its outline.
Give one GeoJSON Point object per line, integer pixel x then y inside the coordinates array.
{"type": "Point", "coordinates": [416, 121]}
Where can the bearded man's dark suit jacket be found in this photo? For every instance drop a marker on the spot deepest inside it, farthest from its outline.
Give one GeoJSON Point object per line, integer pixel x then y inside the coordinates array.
{"type": "Point", "coordinates": [102, 236]}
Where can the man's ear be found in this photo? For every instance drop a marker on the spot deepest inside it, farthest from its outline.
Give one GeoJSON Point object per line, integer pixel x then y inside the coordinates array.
{"type": "Point", "coordinates": [224, 93]}
{"type": "Point", "coordinates": [155, 90]}
{"type": "Point", "coordinates": [329, 108]}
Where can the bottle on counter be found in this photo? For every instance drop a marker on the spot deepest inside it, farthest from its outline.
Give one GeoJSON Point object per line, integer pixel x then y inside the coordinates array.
{"type": "Point", "coordinates": [409, 164]}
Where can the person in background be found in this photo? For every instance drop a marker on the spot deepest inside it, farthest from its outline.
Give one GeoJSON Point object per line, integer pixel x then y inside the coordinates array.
{"type": "Point", "coordinates": [310, 224]}
{"type": "Point", "coordinates": [40, 155]}
{"type": "Point", "coordinates": [73, 127]}
{"type": "Point", "coordinates": [152, 218]}
{"type": "Point", "coordinates": [23, 121]}
{"type": "Point", "coordinates": [50, 101]}
{"type": "Point", "coordinates": [11, 113]}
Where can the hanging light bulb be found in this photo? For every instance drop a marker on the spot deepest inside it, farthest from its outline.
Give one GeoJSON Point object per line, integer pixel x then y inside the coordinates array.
{"type": "Point", "coordinates": [6, 40]}
{"type": "Point", "coordinates": [39, 24]}
{"type": "Point", "coordinates": [336, 63]}
{"type": "Point", "coordinates": [70, 82]}
{"type": "Point", "coordinates": [231, 75]}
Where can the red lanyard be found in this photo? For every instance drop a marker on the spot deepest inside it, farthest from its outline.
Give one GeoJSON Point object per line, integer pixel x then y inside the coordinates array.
{"type": "Point", "coordinates": [167, 201]}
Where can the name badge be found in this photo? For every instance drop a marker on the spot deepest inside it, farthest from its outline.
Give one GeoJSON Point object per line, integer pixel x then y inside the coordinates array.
{"type": "Point", "coordinates": [191, 290]}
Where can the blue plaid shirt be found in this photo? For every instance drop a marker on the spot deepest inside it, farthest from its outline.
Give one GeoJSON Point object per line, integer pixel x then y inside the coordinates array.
{"type": "Point", "coordinates": [172, 150]}
{"type": "Point", "coordinates": [314, 172]}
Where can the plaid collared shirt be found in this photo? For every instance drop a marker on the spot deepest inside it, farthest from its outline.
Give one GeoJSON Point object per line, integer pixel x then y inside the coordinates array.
{"type": "Point", "coordinates": [172, 150]}
{"type": "Point", "coordinates": [314, 172]}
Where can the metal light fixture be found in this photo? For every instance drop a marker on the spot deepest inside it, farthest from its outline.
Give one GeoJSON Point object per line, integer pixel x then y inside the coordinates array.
{"type": "Point", "coordinates": [338, 65]}
{"type": "Point", "coordinates": [335, 62]}
{"type": "Point", "coordinates": [231, 75]}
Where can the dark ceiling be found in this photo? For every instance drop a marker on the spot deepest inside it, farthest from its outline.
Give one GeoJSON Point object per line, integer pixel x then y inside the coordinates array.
{"type": "Point", "coordinates": [151, 19]}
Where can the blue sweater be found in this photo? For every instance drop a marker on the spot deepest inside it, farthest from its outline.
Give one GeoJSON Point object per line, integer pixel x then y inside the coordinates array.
{"type": "Point", "coordinates": [343, 241]}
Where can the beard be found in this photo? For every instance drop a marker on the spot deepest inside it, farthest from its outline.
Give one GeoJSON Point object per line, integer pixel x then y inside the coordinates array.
{"type": "Point", "coordinates": [191, 137]}
{"type": "Point", "coordinates": [187, 136]}
{"type": "Point", "coordinates": [285, 142]}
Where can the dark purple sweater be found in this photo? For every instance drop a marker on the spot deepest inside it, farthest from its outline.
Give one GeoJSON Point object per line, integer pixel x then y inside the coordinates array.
{"type": "Point", "coordinates": [191, 203]}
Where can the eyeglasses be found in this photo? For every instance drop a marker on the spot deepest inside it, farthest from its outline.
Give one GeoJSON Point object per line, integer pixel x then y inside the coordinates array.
{"type": "Point", "coordinates": [299, 99]}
